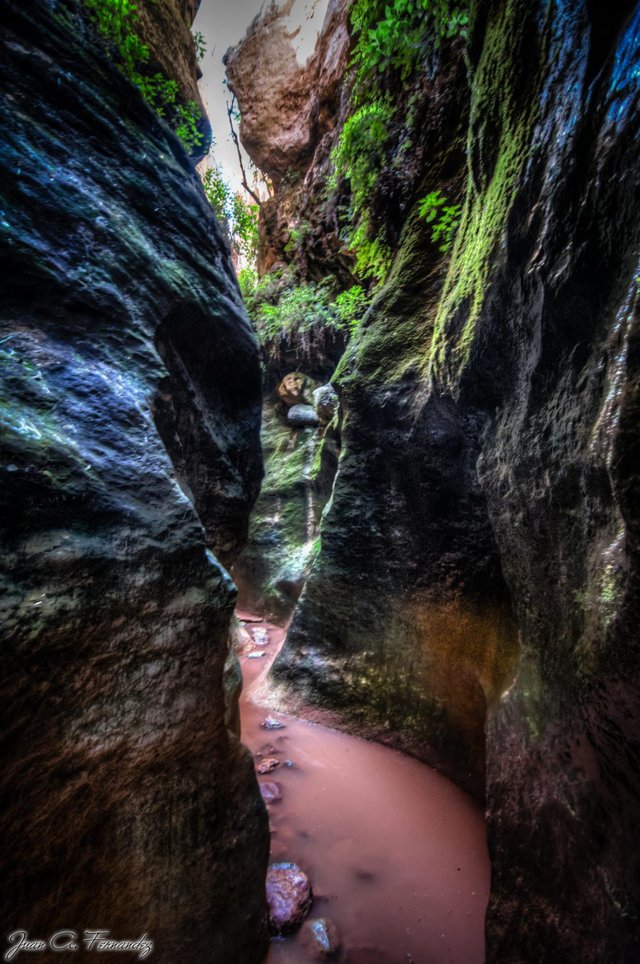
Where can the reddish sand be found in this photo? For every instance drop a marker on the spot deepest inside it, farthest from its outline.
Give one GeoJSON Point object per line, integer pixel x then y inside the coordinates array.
{"type": "Point", "coordinates": [396, 854]}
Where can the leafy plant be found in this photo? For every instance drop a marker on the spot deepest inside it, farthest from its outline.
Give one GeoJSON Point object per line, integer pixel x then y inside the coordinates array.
{"type": "Point", "coordinates": [392, 34]}
{"type": "Point", "coordinates": [297, 235]}
{"type": "Point", "coordinates": [280, 306]}
{"type": "Point", "coordinates": [373, 254]}
{"type": "Point", "coordinates": [237, 217]}
{"type": "Point", "coordinates": [357, 159]}
{"type": "Point", "coordinates": [200, 44]}
{"type": "Point", "coordinates": [360, 148]}
{"type": "Point", "coordinates": [351, 306]}
{"type": "Point", "coordinates": [248, 282]}
{"type": "Point", "coordinates": [218, 195]}
{"type": "Point", "coordinates": [116, 21]}
{"type": "Point", "coordinates": [299, 309]}
{"type": "Point", "coordinates": [246, 232]}
{"type": "Point", "coordinates": [186, 119]}
{"type": "Point", "coordinates": [392, 37]}
{"type": "Point", "coordinates": [443, 217]}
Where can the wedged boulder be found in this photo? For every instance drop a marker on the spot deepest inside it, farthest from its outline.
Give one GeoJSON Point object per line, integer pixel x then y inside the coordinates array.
{"type": "Point", "coordinates": [291, 103]}
{"type": "Point", "coordinates": [128, 803]}
{"type": "Point", "coordinates": [295, 389]}
{"type": "Point", "coordinates": [302, 416]}
{"type": "Point", "coordinates": [282, 115]}
{"type": "Point", "coordinates": [325, 402]}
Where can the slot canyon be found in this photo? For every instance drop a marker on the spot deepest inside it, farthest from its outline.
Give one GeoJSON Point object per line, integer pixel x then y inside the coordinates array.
{"type": "Point", "coordinates": [320, 504]}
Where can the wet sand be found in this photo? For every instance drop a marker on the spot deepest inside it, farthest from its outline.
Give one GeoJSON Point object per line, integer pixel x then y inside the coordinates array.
{"type": "Point", "coordinates": [396, 854]}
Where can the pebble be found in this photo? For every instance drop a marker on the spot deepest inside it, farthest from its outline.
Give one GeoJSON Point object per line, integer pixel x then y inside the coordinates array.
{"type": "Point", "coordinates": [320, 938]}
{"type": "Point", "coordinates": [271, 792]}
{"type": "Point", "coordinates": [289, 896]}
{"type": "Point", "coordinates": [268, 766]}
{"type": "Point", "coordinates": [267, 750]}
{"type": "Point", "coordinates": [271, 723]}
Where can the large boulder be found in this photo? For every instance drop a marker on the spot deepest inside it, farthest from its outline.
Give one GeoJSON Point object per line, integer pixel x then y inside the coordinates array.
{"type": "Point", "coordinates": [284, 85]}
{"type": "Point", "coordinates": [302, 416]}
{"type": "Point", "coordinates": [325, 402]}
{"type": "Point", "coordinates": [295, 389]}
{"type": "Point", "coordinates": [291, 98]}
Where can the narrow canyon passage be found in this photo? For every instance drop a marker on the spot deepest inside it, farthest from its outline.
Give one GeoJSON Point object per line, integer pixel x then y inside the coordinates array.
{"type": "Point", "coordinates": [396, 854]}
{"type": "Point", "coordinates": [369, 369]}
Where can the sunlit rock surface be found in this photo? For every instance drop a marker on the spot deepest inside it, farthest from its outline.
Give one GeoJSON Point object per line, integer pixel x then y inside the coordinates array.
{"type": "Point", "coordinates": [165, 26]}
{"type": "Point", "coordinates": [292, 95]}
{"type": "Point", "coordinates": [480, 555]}
{"type": "Point", "coordinates": [281, 117]}
{"type": "Point", "coordinates": [128, 805]}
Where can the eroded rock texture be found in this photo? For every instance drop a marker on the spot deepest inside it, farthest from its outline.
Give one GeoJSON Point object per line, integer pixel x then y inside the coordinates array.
{"type": "Point", "coordinates": [127, 804]}
{"type": "Point", "coordinates": [480, 556]}
{"type": "Point", "coordinates": [300, 464]}
{"type": "Point", "coordinates": [292, 102]}
{"type": "Point", "coordinates": [166, 28]}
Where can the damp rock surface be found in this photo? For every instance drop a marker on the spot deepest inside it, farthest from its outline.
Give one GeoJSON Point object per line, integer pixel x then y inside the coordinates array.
{"type": "Point", "coordinates": [289, 896]}
{"type": "Point", "coordinates": [130, 460]}
{"type": "Point", "coordinates": [320, 938]}
{"type": "Point", "coordinates": [475, 595]}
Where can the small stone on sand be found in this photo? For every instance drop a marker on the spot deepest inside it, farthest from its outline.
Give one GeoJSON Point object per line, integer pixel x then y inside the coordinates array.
{"type": "Point", "coordinates": [267, 766]}
{"type": "Point", "coordinates": [271, 792]}
{"type": "Point", "coordinates": [320, 938]}
{"type": "Point", "coordinates": [271, 723]}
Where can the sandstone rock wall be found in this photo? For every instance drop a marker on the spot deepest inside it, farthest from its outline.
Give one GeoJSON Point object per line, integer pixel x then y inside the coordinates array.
{"type": "Point", "coordinates": [479, 561]}
{"type": "Point", "coordinates": [128, 805]}
{"type": "Point", "coordinates": [300, 465]}
{"type": "Point", "coordinates": [165, 26]}
{"type": "Point", "coordinates": [290, 112]}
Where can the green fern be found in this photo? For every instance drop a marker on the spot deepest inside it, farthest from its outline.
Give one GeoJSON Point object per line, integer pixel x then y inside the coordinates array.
{"type": "Point", "coordinates": [117, 21]}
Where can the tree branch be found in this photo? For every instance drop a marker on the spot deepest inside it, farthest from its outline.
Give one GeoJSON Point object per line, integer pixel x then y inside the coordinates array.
{"type": "Point", "coordinates": [234, 137]}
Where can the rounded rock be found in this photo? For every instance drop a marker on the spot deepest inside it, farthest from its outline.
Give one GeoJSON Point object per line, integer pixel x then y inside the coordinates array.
{"type": "Point", "coordinates": [325, 402]}
{"type": "Point", "coordinates": [268, 766]}
{"type": "Point", "coordinates": [292, 390]}
{"type": "Point", "coordinates": [289, 897]}
{"type": "Point", "coordinates": [302, 416]}
{"type": "Point", "coordinates": [271, 792]}
{"type": "Point", "coordinates": [320, 938]}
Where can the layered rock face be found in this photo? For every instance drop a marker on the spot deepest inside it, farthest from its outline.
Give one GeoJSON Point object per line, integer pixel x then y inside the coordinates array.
{"type": "Point", "coordinates": [283, 120]}
{"type": "Point", "coordinates": [166, 29]}
{"type": "Point", "coordinates": [300, 448]}
{"type": "Point", "coordinates": [128, 805]}
{"type": "Point", "coordinates": [478, 562]}
{"type": "Point", "coordinates": [292, 101]}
